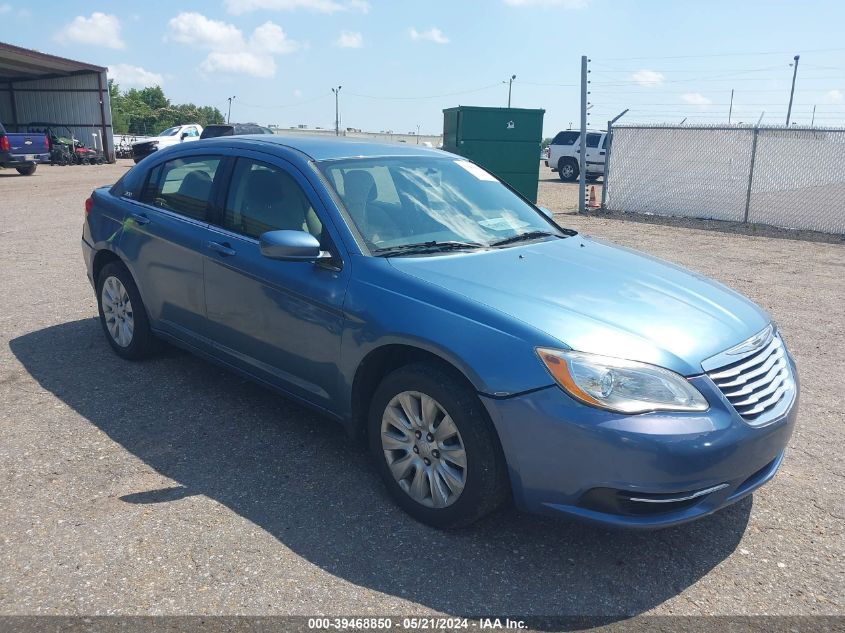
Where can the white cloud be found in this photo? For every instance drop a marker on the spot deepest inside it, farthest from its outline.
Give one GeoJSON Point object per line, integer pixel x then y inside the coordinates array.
{"type": "Point", "coordinates": [100, 29]}
{"type": "Point", "coordinates": [241, 63]}
{"type": "Point", "coordinates": [648, 77]}
{"type": "Point", "coordinates": [270, 38]}
{"type": "Point", "coordinates": [834, 96]}
{"type": "Point", "coordinates": [432, 35]}
{"type": "Point", "coordinates": [128, 75]}
{"type": "Point", "coordinates": [350, 39]}
{"type": "Point", "coordinates": [564, 4]}
{"type": "Point", "coordinates": [297, 93]}
{"type": "Point", "coordinates": [197, 30]}
{"type": "Point", "coordinates": [5, 8]}
{"type": "Point", "coordinates": [229, 51]}
{"type": "Point", "coordinates": [319, 6]}
{"type": "Point", "coordinates": [695, 98]}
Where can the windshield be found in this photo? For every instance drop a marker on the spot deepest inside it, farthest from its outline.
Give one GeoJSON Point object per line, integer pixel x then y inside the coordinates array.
{"type": "Point", "coordinates": [397, 202]}
{"type": "Point", "coordinates": [170, 131]}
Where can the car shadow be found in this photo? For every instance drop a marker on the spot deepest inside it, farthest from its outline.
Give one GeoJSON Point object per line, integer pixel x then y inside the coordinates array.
{"type": "Point", "coordinates": [297, 475]}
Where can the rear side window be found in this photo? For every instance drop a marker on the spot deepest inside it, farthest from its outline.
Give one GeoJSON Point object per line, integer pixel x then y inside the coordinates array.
{"type": "Point", "coordinates": [182, 185]}
{"type": "Point", "coordinates": [565, 138]}
{"type": "Point", "coordinates": [593, 139]}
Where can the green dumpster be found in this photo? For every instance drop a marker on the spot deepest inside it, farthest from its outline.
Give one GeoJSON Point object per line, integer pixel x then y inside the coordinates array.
{"type": "Point", "coordinates": [505, 141]}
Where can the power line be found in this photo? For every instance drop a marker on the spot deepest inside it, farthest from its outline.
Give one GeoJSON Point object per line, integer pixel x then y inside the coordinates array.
{"type": "Point", "coordinates": [708, 55]}
{"type": "Point", "coordinates": [446, 94]}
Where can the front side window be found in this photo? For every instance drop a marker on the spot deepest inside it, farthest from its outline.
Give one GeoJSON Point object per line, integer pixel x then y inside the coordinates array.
{"type": "Point", "coordinates": [191, 132]}
{"type": "Point", "coordinates": [398, 202]}
{"type": "Point", "coordinates": [265, 198]}
{"type": "Point", "coordinates": [182, 185]}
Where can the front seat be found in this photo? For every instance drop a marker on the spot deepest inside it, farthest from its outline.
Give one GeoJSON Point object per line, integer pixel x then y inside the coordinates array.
{"type": "Point", "coordinates": [359, 189]}
{"type": "Point", "coordinates": [273, 201]}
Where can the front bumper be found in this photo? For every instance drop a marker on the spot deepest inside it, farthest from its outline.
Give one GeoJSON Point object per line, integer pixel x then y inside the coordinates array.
{"type": "Point", "coordinates": [140, 153]}
{"type": "Point", "coordinates": [629, 470]}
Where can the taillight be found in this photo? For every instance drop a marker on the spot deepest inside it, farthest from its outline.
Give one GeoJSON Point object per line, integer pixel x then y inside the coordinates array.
{"type": "Point", "coordinates": [88, 204]}
{"type": "Point", "coordinates": [4, 143]}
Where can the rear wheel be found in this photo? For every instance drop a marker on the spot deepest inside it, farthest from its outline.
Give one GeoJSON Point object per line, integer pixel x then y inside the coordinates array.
{"type": "Point", "coordinates": [434, 447]}
{"type": "Point", "coordinates": [122, 313]}
{"type": "Point", "coordinates": [567, 170]}
{"type": "Point", "coordinates": [28, 170]}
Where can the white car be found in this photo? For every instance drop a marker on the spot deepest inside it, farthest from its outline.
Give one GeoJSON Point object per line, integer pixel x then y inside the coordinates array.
{"type": "Point", "coordinates": [565, 150]}
{"type": "Point", "coordinates": [171, 136]}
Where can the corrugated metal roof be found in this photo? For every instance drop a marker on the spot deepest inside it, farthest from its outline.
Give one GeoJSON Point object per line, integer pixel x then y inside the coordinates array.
{"type": "Point", "coordinates": [20, 64]}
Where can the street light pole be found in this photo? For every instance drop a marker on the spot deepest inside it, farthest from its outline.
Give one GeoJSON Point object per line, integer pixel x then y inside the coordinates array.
{"type": "Point", "coordinates": [336, 92]}
{"type": "Point", "coordinates": [418, 133]}
{"type": "Point", "coordinates": [510, 87]}
{"type": "Point", "coordinates": [792, 92]}
{"type": "Point", "coordinates": [229, 114]}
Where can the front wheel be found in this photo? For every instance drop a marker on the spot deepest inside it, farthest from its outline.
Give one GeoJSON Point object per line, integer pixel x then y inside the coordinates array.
{"type": "Point", "coordinates": [434, 447]}
{"type": "Point", "coordinates": [122, 313]}
{"type": "Point", "coordinates": [27, 171]}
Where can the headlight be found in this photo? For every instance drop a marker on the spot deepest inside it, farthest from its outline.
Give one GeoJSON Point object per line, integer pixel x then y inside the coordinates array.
{"type": "Point", "coordinates": [621, 385]}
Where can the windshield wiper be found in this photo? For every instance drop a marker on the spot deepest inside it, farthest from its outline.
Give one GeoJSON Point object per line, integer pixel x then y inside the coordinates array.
{"type": "Point", "coordinates": [531, 235]}
{"type": "Point", "coordinates": [424, 247]}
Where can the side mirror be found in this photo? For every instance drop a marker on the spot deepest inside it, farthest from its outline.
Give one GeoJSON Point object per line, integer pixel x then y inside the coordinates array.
{"type": "Point", "coordinates": [547, 212]}
{"type": "Point", "coordinates": [291, 246]}
{"type": "Point", "coordinates": [183, 136]}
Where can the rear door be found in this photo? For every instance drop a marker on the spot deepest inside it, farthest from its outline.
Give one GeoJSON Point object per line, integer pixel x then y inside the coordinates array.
{"type": "Point", "coordinates": [595, 154]}
{"type": "Point", "coordinates": [162, 241]}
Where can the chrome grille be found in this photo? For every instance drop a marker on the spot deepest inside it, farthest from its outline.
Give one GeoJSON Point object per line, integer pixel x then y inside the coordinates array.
{"type": "Point", "coordinates": [757, 383]}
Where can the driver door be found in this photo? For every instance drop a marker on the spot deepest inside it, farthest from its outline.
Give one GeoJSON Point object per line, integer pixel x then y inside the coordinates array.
{"type": "Point", "coordinates": [278, 320]}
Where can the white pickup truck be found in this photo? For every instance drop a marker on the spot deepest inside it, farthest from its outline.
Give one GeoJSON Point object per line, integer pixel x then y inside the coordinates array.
{"type": "Point", "coordinates": [171, 136]}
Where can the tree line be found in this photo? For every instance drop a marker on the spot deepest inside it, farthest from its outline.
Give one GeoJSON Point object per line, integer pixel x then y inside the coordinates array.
{"type": "Point", "coordinates": [148, 111]}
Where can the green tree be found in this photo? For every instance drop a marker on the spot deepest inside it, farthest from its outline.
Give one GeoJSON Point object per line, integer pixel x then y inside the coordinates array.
{"type": "Point", "coordinates": [148, 111]}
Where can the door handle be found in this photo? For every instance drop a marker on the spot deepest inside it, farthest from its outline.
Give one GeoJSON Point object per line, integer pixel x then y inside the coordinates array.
{"type": "Point", "coordinates": [139, 218]}
{"type": "Point", "coordinates": [601, 153]}
{"type": "Point", "coordinates": [221, 249]}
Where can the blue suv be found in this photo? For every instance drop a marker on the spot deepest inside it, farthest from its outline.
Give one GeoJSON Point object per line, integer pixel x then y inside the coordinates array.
{"type": "Point", "coordinates": [483, 351]}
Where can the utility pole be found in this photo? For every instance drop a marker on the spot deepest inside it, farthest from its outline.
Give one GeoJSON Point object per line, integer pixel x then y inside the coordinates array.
{"type": "Point", "coordinates": [792, 92]}
{"type": "Point", "coordinates": [336, 92]}
{"type": "Point", "coordinates": [731, 108]}
{"type": "Point", "coordinates": [608, 147]}
{"type": "Point", "coordinates": [510, 87]}
{"type": "Point", "coordinates": [418, 133]}
{"type": "Point", "coordinates": [813, 120]}
{"type": "Point", "coordinates": [582, 156]}
{"type": "Point", "coordinates": [229, 114]}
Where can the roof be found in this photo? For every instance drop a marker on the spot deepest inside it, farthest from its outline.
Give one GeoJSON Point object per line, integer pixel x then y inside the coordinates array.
{"type": "Point", "coordinates": [337, 147]}
{"type": "Point", "coordinates": [21, 64]}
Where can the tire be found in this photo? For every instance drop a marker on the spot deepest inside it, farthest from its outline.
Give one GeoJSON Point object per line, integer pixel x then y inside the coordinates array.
{"type": "Point", "coordinates": [117, 320]}
{"type": "Point", "coordinates": [27, 171]}
{"type": "Point", "coordinates": [567, 170]}
{"type": "Point", "coordinates": [484, 474]}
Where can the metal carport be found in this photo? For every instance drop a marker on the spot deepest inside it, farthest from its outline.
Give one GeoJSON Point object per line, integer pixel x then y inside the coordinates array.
{"type": "Point", "coordinates": [45, 89]}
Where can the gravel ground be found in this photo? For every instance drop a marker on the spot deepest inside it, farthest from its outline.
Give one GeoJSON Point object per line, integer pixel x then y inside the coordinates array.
{"type": "Point", "coordinates": [173, 487]}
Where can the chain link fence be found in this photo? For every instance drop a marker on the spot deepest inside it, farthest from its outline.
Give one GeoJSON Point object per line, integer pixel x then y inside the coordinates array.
{"type": "Point", "coordinates": [785, 177]}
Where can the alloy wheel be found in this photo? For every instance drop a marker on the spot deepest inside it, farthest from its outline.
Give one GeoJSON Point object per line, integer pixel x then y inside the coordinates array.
{"type": "Point", "coordinates": [117, 311]}
{"type": "Point", "coordinates": [423, 449]}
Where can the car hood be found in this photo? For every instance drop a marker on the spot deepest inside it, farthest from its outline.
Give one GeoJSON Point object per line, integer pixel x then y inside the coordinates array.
{"type": "Point", "coordinates": [600, 298]}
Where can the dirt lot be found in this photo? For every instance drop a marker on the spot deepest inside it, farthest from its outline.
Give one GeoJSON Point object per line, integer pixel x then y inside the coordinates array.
{"type": "Point", "coordinates": [173, 487]}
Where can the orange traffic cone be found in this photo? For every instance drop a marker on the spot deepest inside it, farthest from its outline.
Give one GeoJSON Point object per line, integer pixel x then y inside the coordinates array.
{"type": "Point", "coordinates": [593, 203]}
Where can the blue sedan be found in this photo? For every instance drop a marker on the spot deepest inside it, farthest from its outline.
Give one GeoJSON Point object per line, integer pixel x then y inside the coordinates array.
{"type": "Point", "coordinates": [482, 350]}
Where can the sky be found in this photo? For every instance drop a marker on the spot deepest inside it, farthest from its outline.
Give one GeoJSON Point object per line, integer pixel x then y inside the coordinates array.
{"type": "Point", "coordinates": [400, 63]}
